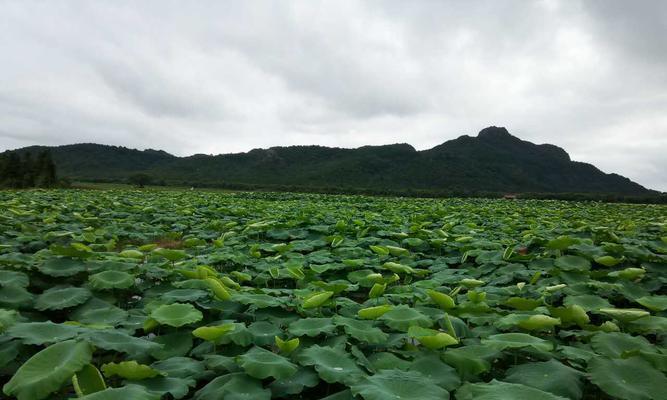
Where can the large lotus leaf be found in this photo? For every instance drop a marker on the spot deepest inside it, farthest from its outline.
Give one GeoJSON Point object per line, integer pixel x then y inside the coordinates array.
{"type": "Point", "coordinates": [61, 297]}
{"type": "Point", "coordinates": [312, 327]}
{"type": "Point", "coordinates": [650, 324]}
{"type": "Point", "coordinates": [111, 280]}
{"type": "Point", "coordinates": [13, 278]}
{"type": "Point", "coordinates": [614, 344]}
{"type": "Point", "coordinates": [48, 370]}
{"type": "Point", "coordinates": [257, 300]}
{"type": "Point", "coordinates": [295, 384]}
{"type": "Point", "coordinates": [181, 367]}
{"type": "Point", "coordinates": [401, 318]}
{"type": "Point", "coordinates": [631, 379]}
{"type": "Point", "coordinates": [654, 303]}
{"type": "Point", "coordinates": [183, 295]}
{"type": "Point", "coordinates": [178, 388]}
{"type": "Point", "coordinates": [62, 267]}
{"type": "Point", "coordinates": [504, 341]}
{"type": "Point", "coordinates": [550, 376]}
{"type": "Point", "coordinates": [176, 314]}
{"type": "Point", "coordinates": [572, 263]}
{"type": "Point", "coordinates": [471, 360]}
{"type": "Point", "coordinates": [385, 360]}
{"type": "Point", "coordinates": [88, 380]}
{"type": "Point", "coordinates": [128, 392]}
{"type": "Point", "coordinates": [99, 312]}
{"type": "Point", "coordinates": [432, 367]}
{"type": "Point", "coordinates": [221, 364]}
{"type": "Point", "coordinates": [496, 390]}
{"type": "Point", "coordinates": [364, 331]}
{"type": "Point", "coordinates": [263, 333]}
{"type": "Point", "coordinates": [260, 363]}
{"type": "Point", "coordinates": [397, 384]}
{"type": "Point", "coordinates": [236, 386]}
{"type": "Point", "coordinates": [15, 297]}
{"type": "Point", "coordinates": [42, 332]}
{"type": "Point", "coordinates": [173, 344]}
{"type": "Point", "coordinates": [331, 364]}
{"type": "Point", "coordinates": [119, 341]}
{"type": "Point", "coordinates": [588, 302]}
{"type": "Point", "coordinates": [129, 370]}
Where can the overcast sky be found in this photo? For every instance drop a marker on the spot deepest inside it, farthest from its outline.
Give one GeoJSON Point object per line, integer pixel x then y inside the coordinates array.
{"type": "Point", "coordinates": [226, 76]}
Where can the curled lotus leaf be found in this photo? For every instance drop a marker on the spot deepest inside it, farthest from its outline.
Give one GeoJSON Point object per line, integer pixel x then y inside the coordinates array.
{"type": "Point", "coordinates": [624, 314]}
{"type": "Point", "coordinates": [287, 346]}
{"type": "Point", "coordinates": [88, 380]}
{"type": "Point", "coordinates": [260, 363]}
{"type": "Point", "coordinates": [374, 312]}
{"type": "Point", "coordinates": [111, 280]}
{"type": "Point", "coordinates": [443, 300]}
{"type": "Point", "coordinates": [129, 370]}
{"type": "Point", "coordinates": [213, 333]}
{"type": "Point", "coordinates": [431, 338]}
{"type": "Point", "coordinates": [58, 298]}
{"type": "Point", "coordinates": [46, 371]}
{"type": "Point", "coordinates": [539, 322]}
{"type": "Point", "coordinates": [176, 314]}
{"type": "Point", "coordinates": [316, 299]}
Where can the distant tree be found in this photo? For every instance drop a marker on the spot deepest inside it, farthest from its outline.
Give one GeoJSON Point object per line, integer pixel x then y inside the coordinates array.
{"type": "Point", "coordinates": [11, 175]}
{"type": "Point", "coordinates": [46, 170]}
{"type": "Point", "coordinates": [140, 179]}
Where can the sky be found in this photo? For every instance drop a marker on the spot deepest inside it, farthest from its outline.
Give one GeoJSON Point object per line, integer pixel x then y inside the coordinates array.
{"type": "Point", "coordinates": [229, 76]}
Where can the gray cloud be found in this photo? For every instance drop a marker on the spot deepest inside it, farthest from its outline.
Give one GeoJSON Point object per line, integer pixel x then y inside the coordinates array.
{"type": "Point", "coordinates": [212, 77]}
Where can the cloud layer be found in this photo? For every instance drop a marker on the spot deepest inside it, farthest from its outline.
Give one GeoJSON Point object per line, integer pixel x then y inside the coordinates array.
{"type": "Point", "coordinates": [220, 77]}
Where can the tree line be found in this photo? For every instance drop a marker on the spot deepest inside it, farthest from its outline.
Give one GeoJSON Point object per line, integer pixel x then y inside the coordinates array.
{"type": "Point", "coordinates": [18, 171]}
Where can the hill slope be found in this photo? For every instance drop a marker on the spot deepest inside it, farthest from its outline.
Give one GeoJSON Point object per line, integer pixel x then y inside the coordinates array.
{"type": "Point", "coordinates": [493, 161]}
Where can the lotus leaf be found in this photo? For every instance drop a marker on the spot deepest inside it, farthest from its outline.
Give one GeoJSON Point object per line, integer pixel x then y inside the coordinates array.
{"type": "Point", "coordinates": [261, 364]}
{"type": "Point", "coordinates": [61, 297]}
{"type": "Point", "coordinates": [46, 371]}
{"type": "Point", "coordinates": [176, 314]}
{"type": "Point", "coordinates": [397, 384]}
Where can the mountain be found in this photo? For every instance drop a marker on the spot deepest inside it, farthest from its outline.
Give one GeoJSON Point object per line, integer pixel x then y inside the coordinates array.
{"type": "Point", "coordinates": [493, 161]}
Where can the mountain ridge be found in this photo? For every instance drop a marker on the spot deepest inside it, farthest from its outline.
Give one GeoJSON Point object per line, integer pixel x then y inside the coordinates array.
{"type": "Point", "coordinates": [493, 161]}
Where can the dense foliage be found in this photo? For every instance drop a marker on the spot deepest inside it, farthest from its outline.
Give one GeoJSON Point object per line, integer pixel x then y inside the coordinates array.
{"type": "Point", "coordinates": [143, 294]}
{"type": "Point", "coordinates": [494, 161]}
{"type": "Point", "coordinates": [23, 170]}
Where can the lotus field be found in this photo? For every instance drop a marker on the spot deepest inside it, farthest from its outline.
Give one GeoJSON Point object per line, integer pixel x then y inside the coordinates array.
{"type": "Point", "coordinates": [139, 295]}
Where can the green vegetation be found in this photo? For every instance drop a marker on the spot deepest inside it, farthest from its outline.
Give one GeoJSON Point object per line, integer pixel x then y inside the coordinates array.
{"type": "Point", "coordinates": [141, 294]}
{"type": "Point", "coordinates": [25, 171]}
{"type": "Point", "coordinates": [492, 164]}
